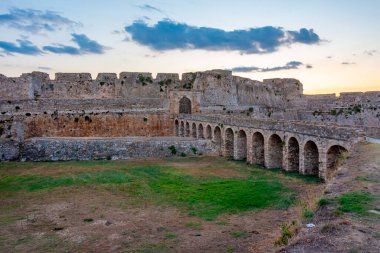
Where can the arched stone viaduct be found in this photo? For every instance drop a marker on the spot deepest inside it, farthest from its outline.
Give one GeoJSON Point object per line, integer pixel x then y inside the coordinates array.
{"type": "Point", "coordinates": [293, 146]}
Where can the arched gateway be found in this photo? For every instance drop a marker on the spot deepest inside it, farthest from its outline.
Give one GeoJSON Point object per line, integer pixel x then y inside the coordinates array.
{"type": "Point", "coordinates": [185, 105]}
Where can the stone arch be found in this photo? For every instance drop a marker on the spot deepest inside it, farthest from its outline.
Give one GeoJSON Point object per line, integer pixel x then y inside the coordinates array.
{"type": "Point", "coordinates": [185, 105]}
{"type": "Point", "coordinates": [208, 132]}
{"type": "Point", "coordinates": [311, 158]}
{"type": "Point", "coordinates": [229, 143]}
{"type": "Point", "coordinates": [187, 129]}
{"type": "Point", "coordinates": [218, 139]}
{"type": "Point", "coordinates": [176, 127]}
{"type": "Point", "coordinates": [258, 148]}
{"type": "Point", "coordinates": [194, 130]}
{"type": "Point", "coordinates": [293, 154]}
{"type": "Point", "coordinates": [200, 132]}
{"type": "Point", "coordinates": [241, 147]}
{"type": "Point", "coordinates": [275, 146]}
{"type": "Point", "coordinates": [335, 155]}
{"type": "Point", "coordinates": [182, 129]}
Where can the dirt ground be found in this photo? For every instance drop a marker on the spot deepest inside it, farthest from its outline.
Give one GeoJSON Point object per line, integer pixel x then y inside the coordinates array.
{"type": "Point", "coordinates": [347, 232]}
{"type": "Point", "coordinates": [54, 220]}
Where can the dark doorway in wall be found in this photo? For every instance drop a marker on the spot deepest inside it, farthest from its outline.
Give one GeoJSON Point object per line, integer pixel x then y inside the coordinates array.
{"type": "Point", "coordinates": [258, 149]}
{"type": "Point", "coordinates": [311, 158]}
{"type": "Point", "coordinates": [185, 105]}
{"type": "Point", "coordinates": [335, 156]}
{"type": "Point", "coordinates": [293, 154]}
{"type": "Point", "coordinates": [229, 143]}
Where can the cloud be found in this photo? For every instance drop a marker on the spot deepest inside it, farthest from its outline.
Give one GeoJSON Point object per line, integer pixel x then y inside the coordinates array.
{"type": "Point", "coordinates": [348, 63]}
{"type": "Point", "coordinates": [304, 36]}
{"type": "Point", "coordinates": [35, 21]}
{"type": "Point", "coordinates": [44, 68]}
{"type": "Point", "coordinates": [287, 66]}
{"type": "Point", "coordinates": [85, 46]}
{"type": "Point", "coordinates": [148, 7]}
{"type": "Point", "coordinates": [370, 52]}
{"type": "Point", "coordinates": [244, 69]}
{"type": "Point", "coordinates": [21, 47]}
{"type": "Point", "coordinates": [168, 35]}
{"type": "Point", "coordinates": [62, 49]}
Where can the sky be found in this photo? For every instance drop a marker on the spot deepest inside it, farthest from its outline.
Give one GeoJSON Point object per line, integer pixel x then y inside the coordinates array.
{"type": "Point", "coordinates": [331, 46]}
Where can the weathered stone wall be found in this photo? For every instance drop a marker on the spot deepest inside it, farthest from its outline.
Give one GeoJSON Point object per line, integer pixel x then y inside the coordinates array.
{"type": "Point", "coordinates": [218, 87]}
{"type": "Point", "coordinates": [87, 124]}
{"type": "Point", "coordinates": [360, 109]}
{"type": "Point", "coordinates": [9, 150]}
{"type": "Point", "coordinates": [16, 107]}
{"type": "Point", "coordinates": [269, 93]}
{"type": "Point", "coordinates": [136, 104]}
{"type": "Point", "coordinates": [46, 149]}
{"type": "Point", "coordinates": [81, 86]}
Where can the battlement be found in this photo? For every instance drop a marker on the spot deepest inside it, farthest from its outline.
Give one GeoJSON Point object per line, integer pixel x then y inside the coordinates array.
{"type": "Point", "coordinates": [214, 88]}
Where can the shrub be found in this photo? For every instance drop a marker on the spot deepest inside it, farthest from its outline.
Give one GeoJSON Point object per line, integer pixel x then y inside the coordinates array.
{"type": "Point", "coordinates": [308, 214]}
{"type": "Point", "coordinates": [172, 149]}
{"type": "Point", "coordinates": [183, 154]}
{"type": "Point", "coordinates": [194, 150]}
{"type": "Point", "coordinates": [286, 234]}
{"type": "Point", "coordinates": [323, 202]}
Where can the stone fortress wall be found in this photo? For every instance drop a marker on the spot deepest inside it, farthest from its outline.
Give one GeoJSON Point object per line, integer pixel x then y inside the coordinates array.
{"type": "Point", "coordinates": [73, 105]}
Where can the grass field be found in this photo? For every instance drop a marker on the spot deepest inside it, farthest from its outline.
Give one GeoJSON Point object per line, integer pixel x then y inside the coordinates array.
{"type": "Point", "coordinates": [209, 189]}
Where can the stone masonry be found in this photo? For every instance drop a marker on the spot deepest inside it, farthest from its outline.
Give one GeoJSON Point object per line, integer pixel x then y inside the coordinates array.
{"type": "Point", "coordinates": [133, 115]}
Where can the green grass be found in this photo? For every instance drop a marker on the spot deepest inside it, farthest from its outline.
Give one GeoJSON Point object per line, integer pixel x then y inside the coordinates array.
{"type": "Point", "coordinates": [324, 201]}
{"type": "Point", "coordinates": [366, 179]}
{"type": "Point", "coordinates": [238, 234]}
{"type": "Point", "coordinates": [170, 235]}
{"type": "Point", "coordinates": [308, 215]}
{"type": "Point", "coordinates": [194, 225]}
{"type": "Point", "coordinates": [206, 197]}
{"type": "Point", "coordinates": [355, 202]}
{"type": "Point", "coordinates": [33, 183]}
{"type": "Point", "coordinates": [295, 174]}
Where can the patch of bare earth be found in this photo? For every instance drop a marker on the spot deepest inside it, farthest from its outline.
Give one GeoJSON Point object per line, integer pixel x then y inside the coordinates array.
{"type": "Point", "coordinates": [347, 232]}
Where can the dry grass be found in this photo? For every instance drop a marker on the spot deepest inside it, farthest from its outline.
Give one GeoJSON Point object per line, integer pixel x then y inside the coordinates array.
{"type": "Point", "coordinates": [147, 206]}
